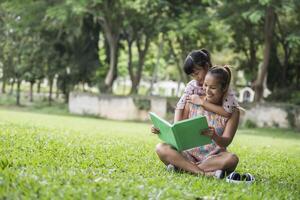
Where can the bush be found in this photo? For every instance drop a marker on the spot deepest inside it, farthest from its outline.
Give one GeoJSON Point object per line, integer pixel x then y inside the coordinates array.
{"type": "Point", "coordinates": [249, 124]}
{"type": "Point", "coordinates": [287, 95]}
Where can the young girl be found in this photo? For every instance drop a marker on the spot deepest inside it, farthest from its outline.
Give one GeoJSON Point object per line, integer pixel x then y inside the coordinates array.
{"type": "Point", "coordinates": [211, 158]}
{"type": "Point", "coordinates": [196, 64]}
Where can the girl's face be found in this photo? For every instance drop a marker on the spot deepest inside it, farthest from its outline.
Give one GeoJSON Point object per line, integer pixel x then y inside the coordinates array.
{"type": "Point", "coordinates": [213, 89]}
{"type": "Point", "coordinates": [199, 75]}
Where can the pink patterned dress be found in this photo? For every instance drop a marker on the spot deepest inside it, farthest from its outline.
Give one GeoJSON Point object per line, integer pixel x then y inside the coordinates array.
{"type": "Point", "coordinates": [229, 102]}
{"type": "Point", "coordinates": [199, 154]}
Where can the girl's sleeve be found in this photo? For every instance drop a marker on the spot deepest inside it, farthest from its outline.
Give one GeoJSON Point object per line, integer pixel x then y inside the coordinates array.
{"type": "Point", "coordinates": [187, 91]}
{"type": "Point", "coordinates": [230, 102]}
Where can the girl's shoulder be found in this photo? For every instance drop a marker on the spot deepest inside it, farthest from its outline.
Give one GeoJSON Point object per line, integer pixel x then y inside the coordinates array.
{"type": "Point", "coordinates": [231, 92]}
{"type": "Point", "coordinates": [192, 83]}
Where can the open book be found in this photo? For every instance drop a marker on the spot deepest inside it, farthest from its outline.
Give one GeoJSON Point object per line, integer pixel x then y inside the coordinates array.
{"type": "Point", "coordinates": [182, 135]}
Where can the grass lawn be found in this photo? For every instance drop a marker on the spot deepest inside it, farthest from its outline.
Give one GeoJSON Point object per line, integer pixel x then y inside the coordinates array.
{"type": "Point", "coordinates": [69, 157]}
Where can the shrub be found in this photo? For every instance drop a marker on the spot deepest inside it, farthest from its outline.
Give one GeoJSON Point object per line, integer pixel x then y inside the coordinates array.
{"type": "Point", "coordinates": [250, 124]}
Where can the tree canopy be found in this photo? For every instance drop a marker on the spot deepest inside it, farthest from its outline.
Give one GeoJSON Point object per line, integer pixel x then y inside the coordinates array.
{"type": "Point", "coordinates": [95, 41]}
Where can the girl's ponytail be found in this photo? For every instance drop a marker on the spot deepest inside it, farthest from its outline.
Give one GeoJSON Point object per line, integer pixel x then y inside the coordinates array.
{"type": "Point", "coordinates": [223, 74]}
{"type": "Point", "coordinates": [208, 60]}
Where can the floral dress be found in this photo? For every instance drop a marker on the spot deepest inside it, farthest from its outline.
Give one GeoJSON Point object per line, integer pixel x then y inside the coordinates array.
{"type": "Point", "coordinates": [199, 154]}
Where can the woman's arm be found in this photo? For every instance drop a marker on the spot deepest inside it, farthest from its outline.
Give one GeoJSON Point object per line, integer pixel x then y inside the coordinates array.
{"type": "Point", "coordinates": [229, 131]}
{"type": "Point", "coordinates": [181, 114]}
{"type": "Point", "coordinates": [178, 115]}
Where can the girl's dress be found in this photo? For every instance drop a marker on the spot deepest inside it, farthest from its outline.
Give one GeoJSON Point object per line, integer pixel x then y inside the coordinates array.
{"type": "Point", "coordinates": [229, 102]}
{"type": "Point", "coordinates": [199, 154]}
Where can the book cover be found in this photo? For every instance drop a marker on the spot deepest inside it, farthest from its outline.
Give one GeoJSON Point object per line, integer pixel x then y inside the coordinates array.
{"type": "Point", "coordinates": [182, 135]}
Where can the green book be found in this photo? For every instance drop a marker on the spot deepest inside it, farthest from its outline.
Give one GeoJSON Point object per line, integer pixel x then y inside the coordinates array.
{"type": "Point", "coordinates": [182, 135]}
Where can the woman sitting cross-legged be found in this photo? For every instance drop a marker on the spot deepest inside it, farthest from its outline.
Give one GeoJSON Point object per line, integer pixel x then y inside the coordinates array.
{"type": "Point", "coordinates": [214, 157]}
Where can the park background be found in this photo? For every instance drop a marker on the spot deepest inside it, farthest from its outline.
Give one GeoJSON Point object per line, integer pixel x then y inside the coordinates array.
{"type": "Point", "coordinates": [59, 59]}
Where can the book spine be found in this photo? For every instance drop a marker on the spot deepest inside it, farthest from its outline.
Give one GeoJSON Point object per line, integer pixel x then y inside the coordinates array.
{"type": "Point", "coordinates": [179, 146]}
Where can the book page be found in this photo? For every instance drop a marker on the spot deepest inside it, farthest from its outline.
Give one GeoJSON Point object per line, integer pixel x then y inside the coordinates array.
{"type": "Point", "coordinates": [166, 133]}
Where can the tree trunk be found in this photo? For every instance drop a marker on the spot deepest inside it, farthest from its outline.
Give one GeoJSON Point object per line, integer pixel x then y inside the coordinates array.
{"type": "Point", "coordinates": [179, 63]}
{"type": "Point", "coordinates": [112, 72]}
{"type": "Point", "coordinates": [129, 66]}
{"type": "Point", "coordinates": [154, 74]}
{"type": "Point", "coordinates": [3, 86]}
{"type": "Point", "coordinates": [268, 34]}
{"type": "Point", "coordinates": [12, 87]}
{"type": "Point", "coordinates": [111, 24]}
{"type": "Point", "coordinates": [142, 54]}
{"type": "Point", "coordinates": [253, 60]}
{"type": "Point", "coordinates": [67, 95]}
{"type": "Point", "coordinates": [18, 92]}
{"type": "Point", "coordinates": [281, 37]}
{"type": "Point", "coordinates": [50, 91]}
{"type": "Point", "coordinates": [31, 92]}
{"type": "Point", "coordinates": [39, 86]}
{"type": "Point", "coordinates": [57, 90]}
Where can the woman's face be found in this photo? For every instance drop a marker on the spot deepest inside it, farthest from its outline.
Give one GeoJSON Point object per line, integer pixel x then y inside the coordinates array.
{"type": "Point", "coordinates": [199, 74]}
{"type": "Point", "coordinates": [213, 89]}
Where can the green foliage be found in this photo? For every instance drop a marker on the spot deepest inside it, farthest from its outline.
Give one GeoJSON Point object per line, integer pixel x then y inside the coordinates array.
{"type": "Point", "coordinates": [142, 103]}
{"type": "Point", "coordinates": [288, 95]}
{"type": "Point", "coordinates": [291, 116]}
{"type": "Point", "coordinates": [71, 40]}
{"type": "Point", "coordinates": [250, 124]}
{"type": "Point", "coordinates": [84, 158]}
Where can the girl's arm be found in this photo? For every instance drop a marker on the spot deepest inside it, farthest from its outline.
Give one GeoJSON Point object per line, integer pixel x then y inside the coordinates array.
{"type": "Point", "coordinates": [200, 100]}
{"type": "Point", "coordinates": [229, 131]}
{"type": "Point", "coordinates": [215, 108]}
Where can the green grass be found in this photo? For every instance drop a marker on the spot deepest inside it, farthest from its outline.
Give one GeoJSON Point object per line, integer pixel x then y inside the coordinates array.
{"type": "Point", "coordinates": [67, 157]}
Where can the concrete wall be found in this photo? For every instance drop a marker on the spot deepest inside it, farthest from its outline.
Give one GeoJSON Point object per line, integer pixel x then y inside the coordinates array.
{"type": "Point", "coordinates": [273, 115]}
{"type": "Point", "coordinates": [116, 107]}
{"type": "Point", "coordinates": [129, 108]}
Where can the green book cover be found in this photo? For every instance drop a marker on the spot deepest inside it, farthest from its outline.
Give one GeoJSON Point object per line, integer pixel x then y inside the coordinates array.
{"type": "Point", "coordinates": [182, 135]}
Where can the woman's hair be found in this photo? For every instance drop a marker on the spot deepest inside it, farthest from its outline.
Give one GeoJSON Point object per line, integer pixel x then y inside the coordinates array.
{"type": "Point", "coordinates": [197, 59]}
{"type": "Point", "coordinates": [223, 74]}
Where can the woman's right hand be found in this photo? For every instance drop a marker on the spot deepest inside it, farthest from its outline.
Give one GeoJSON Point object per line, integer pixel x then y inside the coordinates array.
{"type": "Point", "coordinates": [154, 130]}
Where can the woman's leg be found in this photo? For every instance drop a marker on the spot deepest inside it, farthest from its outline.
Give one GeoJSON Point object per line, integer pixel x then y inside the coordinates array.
{"type": "Point", "coordinates": [224, 161]}
{"type": "Point", "coordinates": [170, 156]}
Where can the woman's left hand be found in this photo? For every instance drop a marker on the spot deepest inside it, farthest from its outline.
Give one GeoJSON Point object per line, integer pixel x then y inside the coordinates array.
{"type": "Point", "coordinates": [210, 132]}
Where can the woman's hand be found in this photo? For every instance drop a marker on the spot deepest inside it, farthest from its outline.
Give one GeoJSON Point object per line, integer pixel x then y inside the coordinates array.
{"type": "Point", "coordinates": [154, 130]}
{"type": "Point", "coordinates": [210, 132]}
{"type": "Point", "coordinates": [196, 99]}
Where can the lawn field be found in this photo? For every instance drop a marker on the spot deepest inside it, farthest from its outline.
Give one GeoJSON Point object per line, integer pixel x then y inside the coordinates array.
{"type": "Point", "coordinates": [69, 157]}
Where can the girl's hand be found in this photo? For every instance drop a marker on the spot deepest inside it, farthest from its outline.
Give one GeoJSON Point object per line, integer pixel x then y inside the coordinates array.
{"type": "Point", "coordinates": [210, 132]}
{"type": "Point", "coordinates": [154, 130]}
{"type": "Point", "coordinates": [196, 99]}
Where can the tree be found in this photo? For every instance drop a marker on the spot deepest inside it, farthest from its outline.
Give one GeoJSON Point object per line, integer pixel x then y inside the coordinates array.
{"type": "Point", "coordinates": [140, 27]}
{"type": "Point", "coordinates": [110, 16]}
{"type": "Point", "coordinates": [268, 36]}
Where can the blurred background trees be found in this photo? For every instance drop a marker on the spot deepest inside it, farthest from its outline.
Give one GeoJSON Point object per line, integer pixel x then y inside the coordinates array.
{"type": "Point", "coordinates": [90, 43]}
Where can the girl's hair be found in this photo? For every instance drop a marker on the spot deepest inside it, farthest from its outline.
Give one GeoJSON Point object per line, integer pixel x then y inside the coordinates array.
{"type": "Point", "coordinates": [197, 59]}
{"type": "Point", "coordinates": [223, 74]}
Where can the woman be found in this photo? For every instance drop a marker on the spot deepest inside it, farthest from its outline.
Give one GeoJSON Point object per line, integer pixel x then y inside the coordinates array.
{"type": "Point", "coordinates": [211, 158]}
